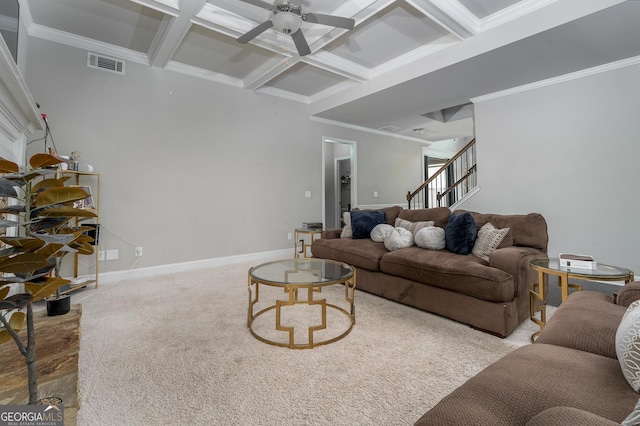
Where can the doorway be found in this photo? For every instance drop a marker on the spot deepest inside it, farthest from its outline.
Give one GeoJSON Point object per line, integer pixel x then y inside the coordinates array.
{"type": "Point", "coordinates": [339, 180]}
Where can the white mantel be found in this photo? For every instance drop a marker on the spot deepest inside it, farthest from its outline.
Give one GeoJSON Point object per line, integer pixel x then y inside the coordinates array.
{"type": "Point", "coordinates": [19, 115]}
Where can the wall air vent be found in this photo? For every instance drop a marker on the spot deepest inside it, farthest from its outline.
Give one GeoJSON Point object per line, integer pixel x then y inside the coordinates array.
{"type": "Point", "coordinates": [106, 63]}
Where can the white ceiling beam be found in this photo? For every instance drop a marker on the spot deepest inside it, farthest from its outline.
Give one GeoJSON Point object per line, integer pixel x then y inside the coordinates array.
{"type": "Point", "coordinates": [450, 15]}
{"type": "Point", "coordinates": [337, 65]}
{"type": "Point", "coordinates": [171, 33]}
{"type": "Point", "coordinates": [168, 7]}
{"type": "Point", "coordinates": [261, 77]}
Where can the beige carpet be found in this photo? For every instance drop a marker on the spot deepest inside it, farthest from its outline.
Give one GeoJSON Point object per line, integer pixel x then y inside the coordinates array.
{"type": "Point", "coordinates": [175, 350]}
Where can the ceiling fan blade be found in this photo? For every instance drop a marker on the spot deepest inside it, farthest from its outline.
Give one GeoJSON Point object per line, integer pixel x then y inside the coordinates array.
{"type": "Point", "coordinates": [254, 32]}
{"type": "Point", "coordinates": [259, 4]}
{"type": "Point", "coordinates": [301, 43]}
{"type": "Point", "coordinates": [334, 21]}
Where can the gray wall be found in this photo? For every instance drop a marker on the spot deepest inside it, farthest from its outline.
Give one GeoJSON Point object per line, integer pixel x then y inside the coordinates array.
{"type": "Point", "coordinates": [192, 169]}
{"type": "Point", "coordinates": [569, 151]}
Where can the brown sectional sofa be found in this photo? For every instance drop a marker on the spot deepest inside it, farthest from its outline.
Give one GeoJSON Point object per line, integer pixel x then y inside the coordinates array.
{"type": "Point", "coordinates": [492, 296]}
{"type": "Point", "coordinates": [569, 376]}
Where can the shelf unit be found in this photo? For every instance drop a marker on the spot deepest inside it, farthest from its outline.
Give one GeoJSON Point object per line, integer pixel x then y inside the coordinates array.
{"type": "Point", "coordinates": [92, 180]}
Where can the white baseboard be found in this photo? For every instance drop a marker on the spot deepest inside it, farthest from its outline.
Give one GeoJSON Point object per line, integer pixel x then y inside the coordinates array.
{"type": "Point", "coordinates": [114, 276]}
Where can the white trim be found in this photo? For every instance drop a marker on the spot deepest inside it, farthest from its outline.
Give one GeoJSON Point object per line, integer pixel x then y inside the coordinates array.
{"type": "Point", "coordinates": [381, 206]}
{"type": "Point", "coordinates": [115, 276]}
{"type": "Point", "coordinates": [466, 197]}
{"type": "Point", "coordinates": [353, 153]}
{"type": "Point", "coordinates": [367, 129]}
{"type": "Point", "coordinates": [560, 79]}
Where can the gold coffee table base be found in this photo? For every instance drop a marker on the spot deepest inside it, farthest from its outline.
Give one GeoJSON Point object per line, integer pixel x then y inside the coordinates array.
{"type": "Point", "coordinates": [292, 291]}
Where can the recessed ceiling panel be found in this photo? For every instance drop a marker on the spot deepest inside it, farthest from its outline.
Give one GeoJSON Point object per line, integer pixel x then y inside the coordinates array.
{"type": "Point", "coordinates": [206, 49]}
{"type": "Point", "coordinates": [483, 8]}
{"type": "Point", "coordinates": [392, 32]}
{"type": "Point", "coordinates": [118, 22]}
{"type": "Point", "coordinates": [305, 80]}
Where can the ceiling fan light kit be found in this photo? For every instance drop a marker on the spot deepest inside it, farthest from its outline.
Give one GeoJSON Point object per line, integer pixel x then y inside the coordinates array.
{"type": "Point", "coordinates": [287, 17]}
{"type": "Point", "coordinates": [286, 22]}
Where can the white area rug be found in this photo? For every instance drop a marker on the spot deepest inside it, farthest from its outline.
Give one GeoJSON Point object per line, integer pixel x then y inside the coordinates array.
{"type": "Point", "coordinates": [176, 350]}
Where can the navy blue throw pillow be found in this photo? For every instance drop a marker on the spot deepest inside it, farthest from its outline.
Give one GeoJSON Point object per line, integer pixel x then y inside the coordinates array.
{"type": "Point", "coordinates": [461, 233]}
{"type": "Point", "coordinates": [363, 221]}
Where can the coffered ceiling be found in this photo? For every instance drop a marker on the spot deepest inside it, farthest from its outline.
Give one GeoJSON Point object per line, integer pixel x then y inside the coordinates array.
{"type": "Point", "coordinates": [403, 67]}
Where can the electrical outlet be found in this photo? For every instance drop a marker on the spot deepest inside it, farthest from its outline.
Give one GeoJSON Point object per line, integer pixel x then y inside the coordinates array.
{"type": "Point", "coordinates": [100, 255]}
{"type": "Point", "coordinates": [112, 254]}
{"type": "Point", "coordinates": [138, 251]}
{"type": "Point", "coordinates": [289, 236]}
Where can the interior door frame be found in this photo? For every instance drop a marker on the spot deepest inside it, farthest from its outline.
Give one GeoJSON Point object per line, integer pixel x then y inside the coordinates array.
{"type": "Point", "coordinates": [354, 173]}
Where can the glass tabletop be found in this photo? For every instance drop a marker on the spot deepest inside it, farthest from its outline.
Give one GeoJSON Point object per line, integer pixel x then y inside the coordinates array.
{"type": "Point", "coordinates": [602, 271]}
{"type": "Point", "coordinates": [302, 271]}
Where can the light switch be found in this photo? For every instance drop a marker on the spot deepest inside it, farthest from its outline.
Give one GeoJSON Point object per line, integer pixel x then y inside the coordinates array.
{"type": "Point", "coordinates": [307, 194]}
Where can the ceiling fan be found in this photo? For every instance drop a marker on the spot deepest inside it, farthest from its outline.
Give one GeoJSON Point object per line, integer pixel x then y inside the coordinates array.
{"type": "Point", "coordinates": [288, 17]}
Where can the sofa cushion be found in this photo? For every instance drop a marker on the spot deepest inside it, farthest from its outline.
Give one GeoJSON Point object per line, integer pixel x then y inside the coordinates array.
{"type": "Point", "coordinates": [439, 215]}
{"type": "Point", "coordinates": [573, 325]}
{"type": "Point", "coordinates": [532, 379]}
{"type": "Point", "coordinates": [390, 214]}
{"type": "Point", "coordinates": [363, 222]}
{"type": "Point", "coordinates": [563, 416]}
{"type": "Point", "coordinates": [363, 253]}
{"type": "Point", "coordinates": [628, 345]}
{"type": "Point", "coordinates": [633, 418]}
{"type": "Point", "coordinates": [380, 232]}
{"type": "Point", "coordinates": [461, 233]}
{"type": "Point", "coordinates": [398, 239]}
{"type": "Point", "coordinates": [431, 237]}
{"type": "Point", "coordinates": [527, 230]}
{"type": "Point", "coordinates": [488, 241]}
{"type": "Point", "coordinates": [440, 268]}
{"type": "Point", "coordinates": [413, 227]}
{"type": "Point", "coordinates": [347, 232]}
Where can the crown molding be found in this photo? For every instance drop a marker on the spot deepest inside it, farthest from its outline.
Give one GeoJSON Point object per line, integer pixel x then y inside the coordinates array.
{"type": "Point", "coordinates": [560, 79]}
{"type": "Point", "coordinates": [80, 42]}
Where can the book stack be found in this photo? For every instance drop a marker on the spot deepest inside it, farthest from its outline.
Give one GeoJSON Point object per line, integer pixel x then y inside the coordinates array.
{"type": "Point", "coordinates": [312, 225]}
{"type": "Point", "coordinates": [577, 261]}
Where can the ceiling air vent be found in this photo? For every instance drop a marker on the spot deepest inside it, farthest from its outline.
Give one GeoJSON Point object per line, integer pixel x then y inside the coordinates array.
{"type": "Point", "coordinates": [105, 63]}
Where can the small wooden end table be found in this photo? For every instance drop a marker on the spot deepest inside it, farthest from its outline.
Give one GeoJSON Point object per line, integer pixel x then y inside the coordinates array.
{"type": "Point", "coordinates": [551, 266]}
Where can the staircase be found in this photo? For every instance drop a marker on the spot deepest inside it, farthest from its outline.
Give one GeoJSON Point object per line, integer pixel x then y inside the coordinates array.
{"type": "Point", "coordinates": [451, 184]}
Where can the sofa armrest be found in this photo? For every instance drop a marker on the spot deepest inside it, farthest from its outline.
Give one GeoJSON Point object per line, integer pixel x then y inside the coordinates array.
{"type": "Point", "coordinates": [331, 233]}
{"type": "Point", "coordinates": [514, 260]}
{"type": "Point", "coordinates": [628, 294]}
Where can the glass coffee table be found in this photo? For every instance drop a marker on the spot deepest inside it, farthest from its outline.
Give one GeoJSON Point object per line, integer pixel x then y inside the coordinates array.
{"type": "Point", "coordinates": [301, 310]}
{"type": "Point", "coordinates": [551, 266]}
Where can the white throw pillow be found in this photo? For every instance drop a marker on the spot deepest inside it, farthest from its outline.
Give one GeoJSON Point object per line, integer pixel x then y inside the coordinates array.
{"type": "Point", "coordinates": [346, 230]}
{"type": "Point", "coordinates": [628, 345]}
{"type": "Point", "coordinates": [380, 232]}
{"type": "Point", "coordinates": [431, 237]}
{"type": "Point", "coordinates": [398, 238]}
{"type": "Point", "coordinates": [489, 238]}
{"type": "Point", "coordinates": [413, 227]}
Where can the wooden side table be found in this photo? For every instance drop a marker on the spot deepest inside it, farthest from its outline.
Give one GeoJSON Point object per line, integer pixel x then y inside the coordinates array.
{"type": "Point", "coordinates": [551, 266]}
{"type": "Point", "coordinates": [299, 242]}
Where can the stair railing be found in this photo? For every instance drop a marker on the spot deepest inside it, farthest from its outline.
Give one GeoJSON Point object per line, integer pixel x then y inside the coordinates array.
{"type": "Point", "coordinates": [455, 179]}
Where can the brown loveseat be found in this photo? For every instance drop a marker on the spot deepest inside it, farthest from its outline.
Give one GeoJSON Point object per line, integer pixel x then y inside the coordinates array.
{"type": "Point", "coordinates": [570, 376]}
{"type": "Point", "coordinates": [489, 295]}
